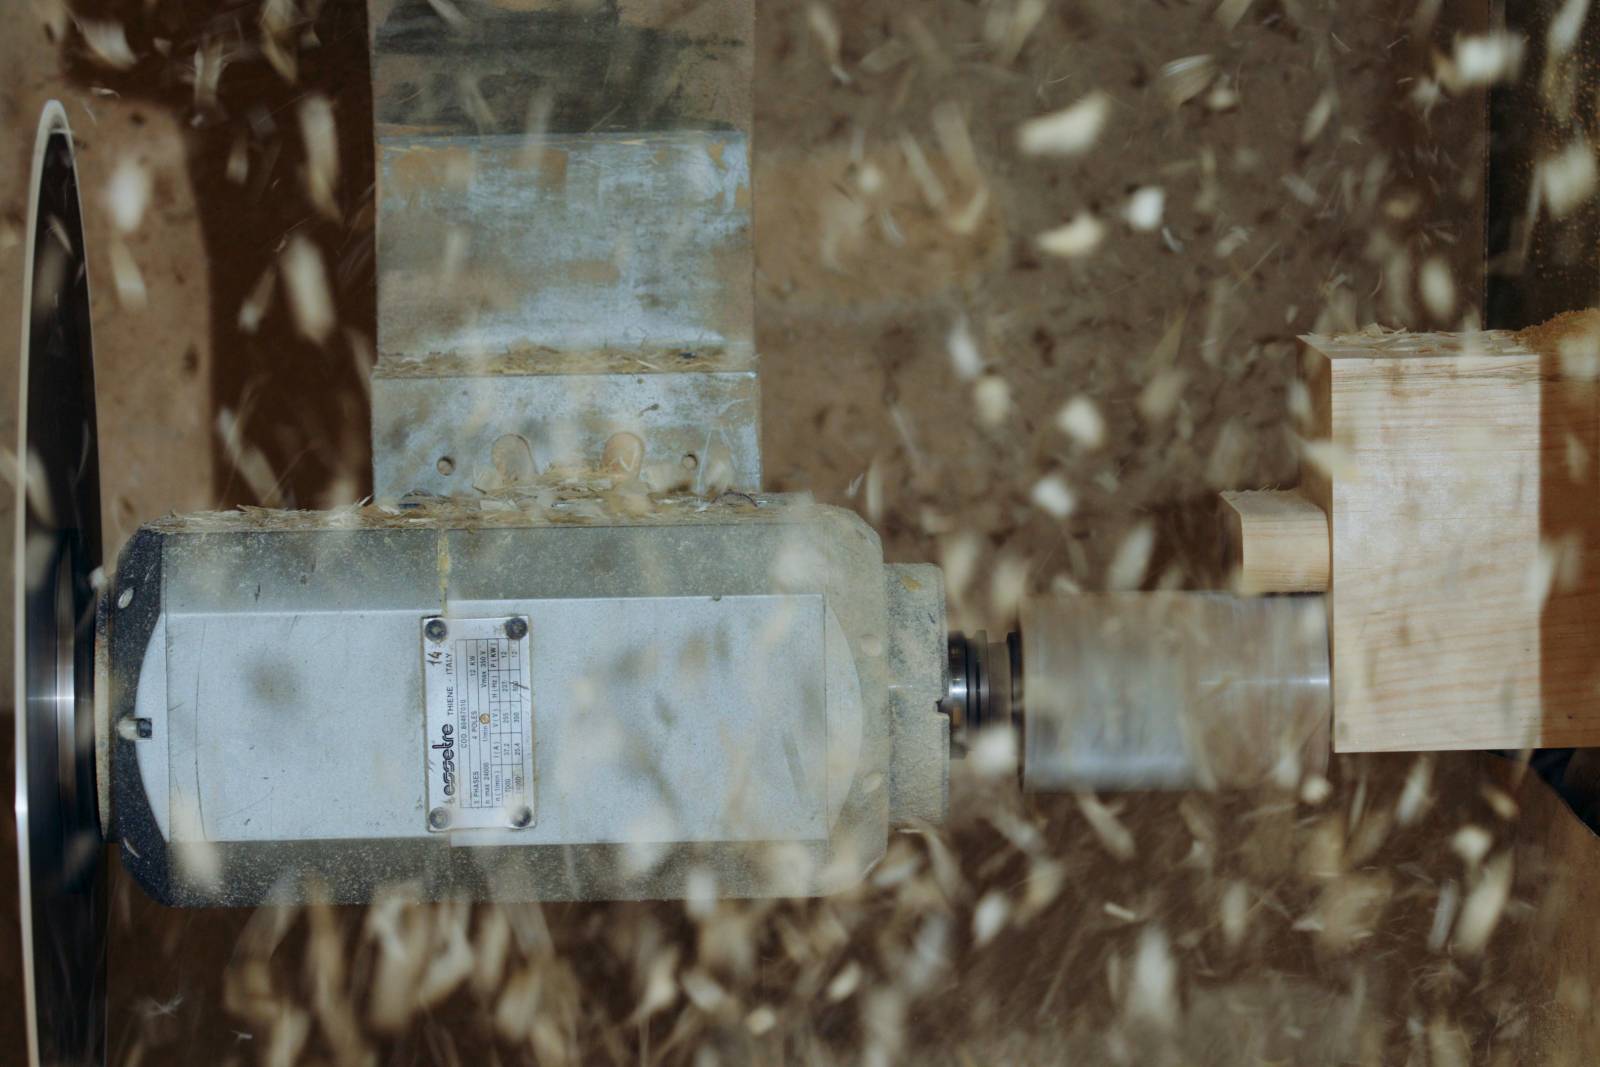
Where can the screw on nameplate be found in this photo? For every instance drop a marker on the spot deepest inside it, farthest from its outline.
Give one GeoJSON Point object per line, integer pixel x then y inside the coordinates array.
{"type": "Point", "coordinates": [436, 630]}
{"type": "Point", "coordinates": [438, 819]}
{"type": "Point", "coordinates": [516, 627]}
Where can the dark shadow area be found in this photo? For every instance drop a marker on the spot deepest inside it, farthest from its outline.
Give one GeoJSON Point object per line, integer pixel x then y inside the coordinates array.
{"type": "Point", "coordinates": [1569, 531]}
{"type": "Point", "coordinates": [299, 404]}
{"type": "Point", "coordinates": [238, 87]}
{"type": "Point", "coordinates": [1540, 266]}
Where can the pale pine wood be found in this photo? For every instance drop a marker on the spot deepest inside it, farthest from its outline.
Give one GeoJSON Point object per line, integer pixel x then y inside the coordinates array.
{"type": "Point", "coordinates": [1445, 465]}
{"type": "Point", "coordinates": [1277, 542]}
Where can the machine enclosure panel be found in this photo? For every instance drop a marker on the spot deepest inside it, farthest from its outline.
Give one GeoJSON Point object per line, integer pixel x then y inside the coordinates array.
{"type": "Point", "coordinates": [710, 690]}
{"type": "Point", "coordinates": [285, 726]}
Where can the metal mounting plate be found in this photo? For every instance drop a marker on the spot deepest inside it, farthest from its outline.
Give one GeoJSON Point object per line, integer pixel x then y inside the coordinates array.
{"type": "Point", "coordinates": [478, 688]}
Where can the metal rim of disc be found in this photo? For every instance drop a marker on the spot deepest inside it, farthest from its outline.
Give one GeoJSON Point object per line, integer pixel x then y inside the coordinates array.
{"type": "Point", "coordinates": [56, 559]}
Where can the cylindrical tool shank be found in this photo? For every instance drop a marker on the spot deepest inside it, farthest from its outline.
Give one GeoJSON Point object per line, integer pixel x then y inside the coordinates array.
{"type": "Point", "coordinates": [1173, 690]}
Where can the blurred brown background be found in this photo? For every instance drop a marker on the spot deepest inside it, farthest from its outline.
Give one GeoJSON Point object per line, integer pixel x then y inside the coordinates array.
{"type": "Point", "coordinates": [1309, 183]}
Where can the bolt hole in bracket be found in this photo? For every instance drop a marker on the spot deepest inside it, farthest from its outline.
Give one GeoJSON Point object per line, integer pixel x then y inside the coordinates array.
{"type": "Point", "coordinates": [478, 700]}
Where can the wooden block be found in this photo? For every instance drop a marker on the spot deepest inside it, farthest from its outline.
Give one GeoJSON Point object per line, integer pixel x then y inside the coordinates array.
{"type": "Point", "coordinates": [1277, 542]}
{"type": "Point", "coordinates": [1458, 476]}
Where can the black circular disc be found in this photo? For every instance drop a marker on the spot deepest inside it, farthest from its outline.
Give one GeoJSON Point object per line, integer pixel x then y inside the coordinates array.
{"type": "Point", "coordinates": [58, 553]}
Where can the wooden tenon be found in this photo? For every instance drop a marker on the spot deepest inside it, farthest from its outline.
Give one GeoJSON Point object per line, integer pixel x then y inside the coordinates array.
{"type": "Point", "coordinates": [1457, 474]}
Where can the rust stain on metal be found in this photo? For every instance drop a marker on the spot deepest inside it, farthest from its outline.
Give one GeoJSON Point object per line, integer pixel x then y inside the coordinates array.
{"type": "Point", "coordinates": [592, 272]}
{"type": "Point", "coordinates": [420, 167]}
{"type": "Point", "coordinates": [552, 167]}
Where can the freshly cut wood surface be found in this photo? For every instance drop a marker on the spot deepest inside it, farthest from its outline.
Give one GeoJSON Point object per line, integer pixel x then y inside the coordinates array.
{"type": "Point", "coordinates": [1457, 472]}
{"type": "Point", "coordinates": [1277, 541]}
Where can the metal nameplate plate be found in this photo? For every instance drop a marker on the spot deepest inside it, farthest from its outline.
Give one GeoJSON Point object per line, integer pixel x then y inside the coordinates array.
{"type": "Point", "coordinates": [477, 687]}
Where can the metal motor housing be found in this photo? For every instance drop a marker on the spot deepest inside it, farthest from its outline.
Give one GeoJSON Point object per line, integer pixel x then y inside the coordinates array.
{"type": "Point", "coordinates": [739, 689]}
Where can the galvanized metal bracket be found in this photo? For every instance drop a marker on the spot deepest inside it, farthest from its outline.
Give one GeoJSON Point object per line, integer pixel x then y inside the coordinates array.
{"type": "Point", "coordinates": [564, 247]}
